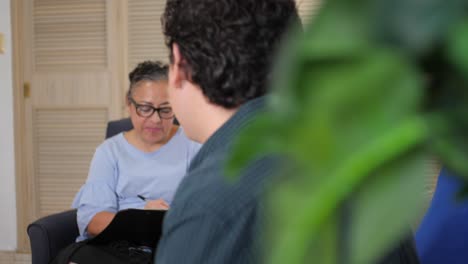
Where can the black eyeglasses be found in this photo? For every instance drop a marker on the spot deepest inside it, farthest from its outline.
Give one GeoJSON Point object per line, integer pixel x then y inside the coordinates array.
{"type": "Point", "coordinates": [148, 110]}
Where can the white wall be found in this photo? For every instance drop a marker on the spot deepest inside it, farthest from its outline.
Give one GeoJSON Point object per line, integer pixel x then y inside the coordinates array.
{"type": "Point", "coordinates": [8, 240]}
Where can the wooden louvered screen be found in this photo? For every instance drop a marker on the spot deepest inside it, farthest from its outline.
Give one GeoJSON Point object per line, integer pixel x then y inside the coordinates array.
{"type": "Point", "coordinates": [66, 139]}
{"type": "Point", "coordinates": [307, 8]}
{"type": "Point", "coordinates": [433, 168]}
{"type": "Point", "coordinates": [145, 37]}
{"type": "Point", "coordinates": [69, 34]}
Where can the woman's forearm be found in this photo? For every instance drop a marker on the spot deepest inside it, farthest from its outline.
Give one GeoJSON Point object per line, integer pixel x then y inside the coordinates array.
{"type": "Point", "coordinates": [99, 222]}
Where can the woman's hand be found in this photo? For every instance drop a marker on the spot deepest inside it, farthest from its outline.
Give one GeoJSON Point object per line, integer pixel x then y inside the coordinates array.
{"type": "Point", "coordinates": [159, 204]}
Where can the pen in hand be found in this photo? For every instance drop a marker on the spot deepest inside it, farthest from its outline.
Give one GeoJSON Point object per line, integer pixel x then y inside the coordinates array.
{"type": "Point", "coordinates": [159, 204]}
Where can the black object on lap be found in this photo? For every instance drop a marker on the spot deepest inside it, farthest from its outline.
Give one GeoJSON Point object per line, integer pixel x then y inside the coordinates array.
{"type": "Point", "coordinates": [140, 227]}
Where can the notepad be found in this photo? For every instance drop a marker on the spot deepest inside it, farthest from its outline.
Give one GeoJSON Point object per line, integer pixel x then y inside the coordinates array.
{"type": "Point", "coordinates": [142, 227]}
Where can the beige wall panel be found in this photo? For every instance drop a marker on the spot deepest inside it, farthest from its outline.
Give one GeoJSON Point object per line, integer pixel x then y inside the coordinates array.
{"type": "Point", "coordinates": [145, 37]}
{"type": "Point", "coordinates": [67, 88]}
{"type": "Point", "coordinates": [66, 139]}
{"type": "Point", "coordinates": [69, 34]}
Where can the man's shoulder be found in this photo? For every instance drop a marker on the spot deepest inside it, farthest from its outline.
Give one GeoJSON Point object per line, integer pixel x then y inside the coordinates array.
{"type": "Point", "coordinates": [209, 188]}
{"type": "Point", "coordinates": [202, 183]}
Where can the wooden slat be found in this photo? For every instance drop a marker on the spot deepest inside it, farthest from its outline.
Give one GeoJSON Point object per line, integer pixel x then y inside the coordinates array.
{"type": "Point", "coordinates": [145, 37]}
{"type": "Point", "coordinates": [307, 9]}
{"type": "Point", "coordinates": [69, 34]}
{"type": "Point", "coordinates": [433, 169]}
{"type": "Point", "coordinates": [65, 140]}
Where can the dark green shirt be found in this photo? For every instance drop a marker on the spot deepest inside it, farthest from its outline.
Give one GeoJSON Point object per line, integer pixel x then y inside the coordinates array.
{"type": "Point", "coordinates": [213, 220]}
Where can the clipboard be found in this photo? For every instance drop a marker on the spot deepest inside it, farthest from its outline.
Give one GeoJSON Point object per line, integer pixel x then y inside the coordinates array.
{"type": "Point", "coordinates": [142, 227]}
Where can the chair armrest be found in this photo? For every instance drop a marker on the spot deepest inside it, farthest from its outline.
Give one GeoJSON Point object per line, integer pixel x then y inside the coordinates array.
{"type": "Point", "coordinates": [50, 234]}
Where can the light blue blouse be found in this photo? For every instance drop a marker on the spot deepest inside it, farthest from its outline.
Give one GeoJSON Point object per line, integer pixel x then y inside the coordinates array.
{"type": "Point", "coordinates": [119, 172]}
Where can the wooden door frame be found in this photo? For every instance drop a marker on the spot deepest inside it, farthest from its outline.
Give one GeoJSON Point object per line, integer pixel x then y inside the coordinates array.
{"type": "Point", "coordinates": [117, 54]}
{"type": "Point", "coordinates": [24, 198]}
{"type": "Point", "coordinates": [22, 64]}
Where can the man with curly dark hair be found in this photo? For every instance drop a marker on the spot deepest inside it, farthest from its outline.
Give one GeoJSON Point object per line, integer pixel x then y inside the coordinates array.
{"type": "Point", "coordinates": [220, 54]}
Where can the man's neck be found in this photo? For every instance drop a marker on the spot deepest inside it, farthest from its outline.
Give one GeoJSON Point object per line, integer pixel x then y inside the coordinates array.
{"type": "Point", "coordinates": [218, 116]}
{"type": "Point", "coordinates": [206, 117]}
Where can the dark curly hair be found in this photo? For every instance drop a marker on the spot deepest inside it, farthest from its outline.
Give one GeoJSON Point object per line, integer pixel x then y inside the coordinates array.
{"type": "Point", "coordinates": [228, 44]}
{"type": "Point", "coordinates": [147, 71]}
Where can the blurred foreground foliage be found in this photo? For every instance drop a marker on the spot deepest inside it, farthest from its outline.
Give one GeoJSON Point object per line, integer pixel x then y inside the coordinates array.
{"type": "Point", "coordinates": [361, 98]}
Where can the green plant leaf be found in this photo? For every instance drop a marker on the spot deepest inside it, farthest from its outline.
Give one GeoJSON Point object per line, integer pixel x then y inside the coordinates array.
{"type": "Point", "coordinates": [384, 207]}
{"type": "Point", "coordinates": [346, 109]}
{"type": "Point", "coordinates": [448, 139]}
{"type": "Point", "coordinates": [415, 27]}
{"type": "Point", "coordinates": [315, 203]}
{"type": "Point", "coordinates": [457, 42]}
{"type": "Point", "coordinates": [449, 101]}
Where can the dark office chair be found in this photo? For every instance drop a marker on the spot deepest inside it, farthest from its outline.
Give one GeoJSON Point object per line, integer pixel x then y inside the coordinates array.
{"type": "Point", "coordinates": [52, 233]}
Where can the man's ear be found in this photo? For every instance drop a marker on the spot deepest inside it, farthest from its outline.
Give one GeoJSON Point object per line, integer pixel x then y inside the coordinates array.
{"type": "Point", "coordinates": [177, 71]}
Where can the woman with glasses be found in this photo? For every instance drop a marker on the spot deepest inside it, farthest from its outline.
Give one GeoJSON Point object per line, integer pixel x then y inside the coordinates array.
{"type": "Point", "coordinates": [140, 168]}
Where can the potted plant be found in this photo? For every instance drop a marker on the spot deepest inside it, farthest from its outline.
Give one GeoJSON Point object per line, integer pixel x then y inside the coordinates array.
{"type": "Point", "coordinates": [360, 100]}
